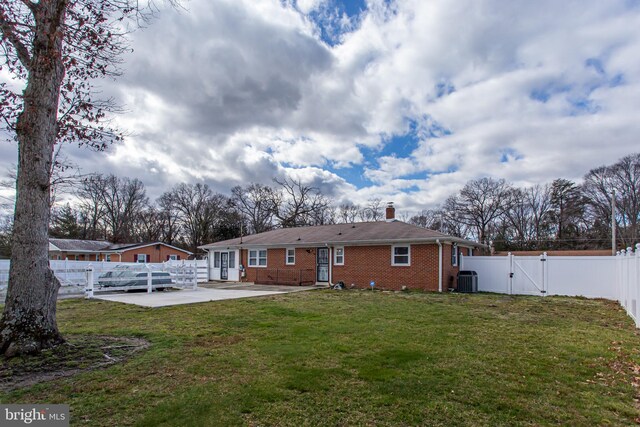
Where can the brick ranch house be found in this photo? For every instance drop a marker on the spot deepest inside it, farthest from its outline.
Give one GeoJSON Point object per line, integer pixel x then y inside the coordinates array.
{"type": "Point", "coordinates": [100, 250]}
{"type": "Point", "coordinates": [390, 253]}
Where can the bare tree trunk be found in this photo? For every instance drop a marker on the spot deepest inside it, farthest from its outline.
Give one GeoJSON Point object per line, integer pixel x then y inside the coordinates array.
{"type": "Point", "coordinates": [28, 324]}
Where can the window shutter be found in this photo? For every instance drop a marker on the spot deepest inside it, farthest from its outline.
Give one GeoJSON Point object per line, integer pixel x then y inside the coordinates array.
{"type": "Point", "coordinates": [178, 257]}
{"type": "Point", "coordinates": [168, 257]}
{"type": "Point", "coordinates": [135, 257]}
{"type": "Point", "coordinates": [148, 258]}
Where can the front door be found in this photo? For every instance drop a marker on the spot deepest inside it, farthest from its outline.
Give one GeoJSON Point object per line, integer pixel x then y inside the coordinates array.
{"type": "Point", "coordinates": [322, 264]}
{"type": "Point", "coordinates": [224, 265]}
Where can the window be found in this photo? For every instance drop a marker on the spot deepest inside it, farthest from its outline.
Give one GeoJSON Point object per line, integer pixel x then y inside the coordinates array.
{"type": "Point", "coordinates": [454, 255]}
{"type": "Point", "coordinates": [257, 258]}
{"type": "Point", "coordinates": [338, 256]}
{"type": "Point", "coordinates": [141, 258]}
{"type": "Point", "coordinates": [401, 255]}
{"type": "Point", "coordinates": [173, 257]}
{"type": "Point", "coordinates": [291, 256]}
{"type": "Point", "coordinates": [107, 257]}
{"type": "Point", "coordinates": [470, 251]}
{"type": "Point", "coordinates": [232, 260]}
{"type": "Point", "coordinates": [216, 260]}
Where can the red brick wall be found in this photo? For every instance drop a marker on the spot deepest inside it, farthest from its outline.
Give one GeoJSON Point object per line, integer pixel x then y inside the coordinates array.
{"type": "Point", "coordinates": [362, 264]}
{"type": "Point", "coordinates": [157, 253]}
{"type": "Point", "coordinates": [72, 256]}
{"type": "Point", "coordinates": [305, 259]}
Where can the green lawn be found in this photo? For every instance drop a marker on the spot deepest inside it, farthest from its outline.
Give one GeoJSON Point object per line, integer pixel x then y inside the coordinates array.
{"type": "Point", "coordinates": [356, 358]}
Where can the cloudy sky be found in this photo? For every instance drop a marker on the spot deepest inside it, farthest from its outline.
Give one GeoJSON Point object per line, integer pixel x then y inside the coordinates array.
{"type": "Point", "coordinates": [403, 100]}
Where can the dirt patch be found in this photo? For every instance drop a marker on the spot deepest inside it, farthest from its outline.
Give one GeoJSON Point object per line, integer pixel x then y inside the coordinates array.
{"type": "Point", "coordinates": [77, 354]}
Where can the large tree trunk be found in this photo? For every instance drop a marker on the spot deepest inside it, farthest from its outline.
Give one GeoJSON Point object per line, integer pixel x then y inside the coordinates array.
{"type": "Point", "coordinates": [28, 323]}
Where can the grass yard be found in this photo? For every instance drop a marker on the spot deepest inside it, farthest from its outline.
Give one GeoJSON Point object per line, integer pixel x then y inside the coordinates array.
{"type": "Point", "coordinates": [356, 358]}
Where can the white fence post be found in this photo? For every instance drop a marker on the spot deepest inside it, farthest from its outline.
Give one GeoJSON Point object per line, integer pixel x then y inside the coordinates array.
{"type": "Point", "coordinates": [195, 276]}
{"type": "Point", "coordinates": [631, 307]}
{"type": "Point", "coordinates": [543, 259]}
{"type": "Point", "coordinates": [636, 284]}
{"type": "Point", "coordinates": [618, 278]}
{"type": "Point", "coordinates": [89, 289]}
{"type": "Point", "coordinates": [149, 279]}
{"type": "Point", "coordinates": [510, 270]}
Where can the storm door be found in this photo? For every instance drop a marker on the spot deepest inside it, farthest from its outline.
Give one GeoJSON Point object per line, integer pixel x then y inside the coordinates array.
{"type": "Point", "coordinates": [224, 265]}
{"type": "Point", "coordinates": [322, 264]}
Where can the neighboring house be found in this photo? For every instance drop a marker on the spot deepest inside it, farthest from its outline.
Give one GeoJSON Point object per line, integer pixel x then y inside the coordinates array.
{"type": "Point", "coordinates": [100, 250]}
{"type": "Point", "coordinates": [390, 253]}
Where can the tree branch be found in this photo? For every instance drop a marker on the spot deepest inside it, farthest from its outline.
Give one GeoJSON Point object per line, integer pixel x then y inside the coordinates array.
{"type": "Point", "coordinates": [31, 5]}
{"type": "Point", "coordinates": [9, 32]}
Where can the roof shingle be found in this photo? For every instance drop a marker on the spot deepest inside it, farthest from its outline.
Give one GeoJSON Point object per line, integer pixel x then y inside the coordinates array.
{"type": "Point", "coordinates": [382, 232]}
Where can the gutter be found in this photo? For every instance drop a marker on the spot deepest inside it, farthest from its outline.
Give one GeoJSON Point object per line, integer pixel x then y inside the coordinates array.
{"type": "Point", "coordinates": [439, 265]}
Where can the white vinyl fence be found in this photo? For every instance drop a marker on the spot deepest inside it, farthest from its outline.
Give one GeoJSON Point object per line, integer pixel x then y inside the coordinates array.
{"type": "Point", "coordinates": [201, 266]}
{"type": "Point", "coordinates": [86, 277]}
{"type": "Point", "coordinates": [615, 278]}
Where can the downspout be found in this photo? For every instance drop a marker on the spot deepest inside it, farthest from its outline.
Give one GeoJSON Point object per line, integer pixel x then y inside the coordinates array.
{"type": "Point", "coordinates": [439, 265]}
{"type": "Point", "coordinates": [330, 265]}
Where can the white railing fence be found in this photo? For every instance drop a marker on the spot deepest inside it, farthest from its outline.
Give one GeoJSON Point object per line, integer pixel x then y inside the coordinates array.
{"type": "Point", "coordinates": [201, 266]}
{"type": "Point", "coordinates": [628, 281]}
{"type": "Point", "coordinates": [614, 278]}
{"type": "Point", "coordinates": [87, 277]}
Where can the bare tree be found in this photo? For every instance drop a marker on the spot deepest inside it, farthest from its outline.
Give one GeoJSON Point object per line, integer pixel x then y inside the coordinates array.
{"type": "Point", "coordinates": [538, 197]}
{"type": "Point", "coordinates": [480, 204]}
{"type": "Point", "coordinates": [626, 174]}
{"type": "Point", "coordinates": [199, 208]}
{"type": "Point", "coordinates": [256, 203]}
{"type": "Point", "coordinates": [57, 48]}
{"type": "Point", "coordinates": [148, 225]}
{"type": "Point", "coordinates": [168, 217]}
{"type": "Point", "coordinates": [623, 177]}
{"type": "Point", "coordinates": [324, 213]}
{"type": "Point", "coordinates": [373, 211]}
{"type": "Point", "coordinates": [92, 211]}
{"type": "Point", "coordinates": [297, 204]}
{"type": "Point", "coordinates": [526, 224]}
{"type": "Point", "coordinates": [428, 218]}
{"type": "Point", "coordinates": [123, 201]}
{"type": "Point", "coordinates": [348, 213]}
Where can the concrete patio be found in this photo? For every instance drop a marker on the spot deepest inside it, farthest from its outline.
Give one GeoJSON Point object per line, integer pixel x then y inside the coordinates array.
{"type": "Point", "coordinates": [211, 291]}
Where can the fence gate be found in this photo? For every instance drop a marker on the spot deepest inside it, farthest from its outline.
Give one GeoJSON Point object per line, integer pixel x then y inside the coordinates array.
{"type": "Point", "coordinates": [528, 275]}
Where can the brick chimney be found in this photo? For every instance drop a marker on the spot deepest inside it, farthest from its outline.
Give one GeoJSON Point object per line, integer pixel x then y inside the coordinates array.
{"type": "Point", "coordinates": [391, 212]}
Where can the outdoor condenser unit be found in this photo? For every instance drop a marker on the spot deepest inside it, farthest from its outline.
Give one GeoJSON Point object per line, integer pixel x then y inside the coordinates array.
{"type": "Point", "coordinates": [467, 281]}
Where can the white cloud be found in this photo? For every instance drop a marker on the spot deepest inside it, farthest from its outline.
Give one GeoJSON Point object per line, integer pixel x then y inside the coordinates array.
{"type": "Point", "coordinates": [231, 92]}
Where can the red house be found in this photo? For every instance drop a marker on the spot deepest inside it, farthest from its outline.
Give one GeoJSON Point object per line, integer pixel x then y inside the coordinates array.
{"type": "Point", "coordinates": [100, 250]}
{"type": "Point", "coordinates": [391, 254]}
